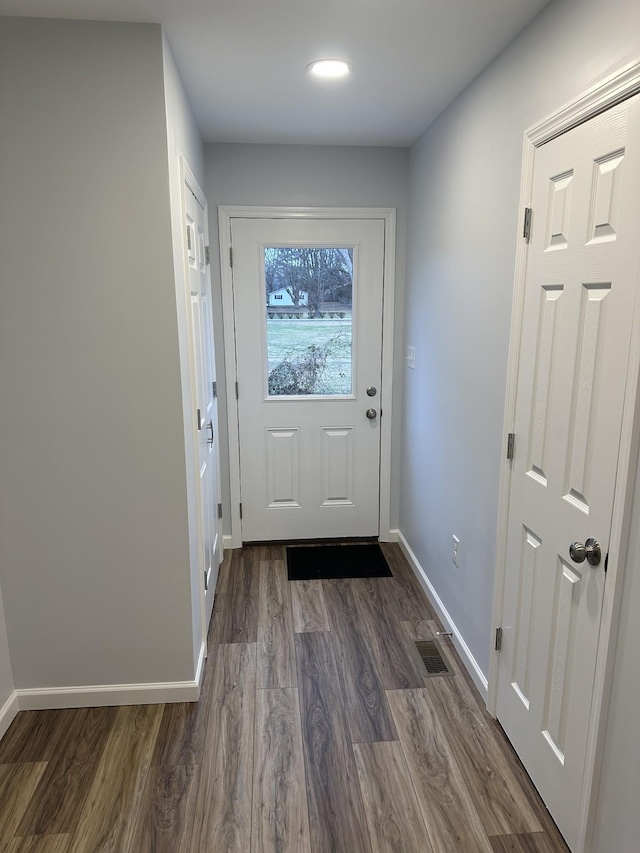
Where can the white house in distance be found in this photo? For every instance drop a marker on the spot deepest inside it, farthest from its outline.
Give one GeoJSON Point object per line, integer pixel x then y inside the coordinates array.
{"type": "Point", "coordinates": [282, 298]}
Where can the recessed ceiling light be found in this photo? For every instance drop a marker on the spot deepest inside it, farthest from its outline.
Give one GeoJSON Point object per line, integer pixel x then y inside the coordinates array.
{"type": "Point", "coordinates": [329, 68]}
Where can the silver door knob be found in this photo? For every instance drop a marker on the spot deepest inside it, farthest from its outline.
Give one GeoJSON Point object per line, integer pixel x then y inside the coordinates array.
{"type": "Point", "coordinates": [371, 414]}
{"type": "Point", "coordinates": [372, 391]}
{"type": "Point", "coordinates": [590, 552]}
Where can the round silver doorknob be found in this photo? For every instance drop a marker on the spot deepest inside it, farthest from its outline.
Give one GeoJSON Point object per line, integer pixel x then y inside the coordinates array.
{"type": "Point", "coordinates": [371, 414]}
{"type": "Point", "coordinates": [590, 551]}
{"type": "Point", "coordinates": [372, 391]}
{"type": "Point", "coordinates": [577, 552]}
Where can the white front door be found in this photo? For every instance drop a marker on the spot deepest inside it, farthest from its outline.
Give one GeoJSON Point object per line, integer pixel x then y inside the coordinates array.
{"type": "Point", "coordinates": [308, 321]}
{"type": "Point", "coordinates": [579, 295]}
{"type": "Point", "coordinates": [207, 410]}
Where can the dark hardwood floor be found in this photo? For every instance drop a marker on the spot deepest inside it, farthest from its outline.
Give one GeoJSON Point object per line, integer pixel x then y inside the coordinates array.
{"type": "Point", "coordinates": [318, 731]}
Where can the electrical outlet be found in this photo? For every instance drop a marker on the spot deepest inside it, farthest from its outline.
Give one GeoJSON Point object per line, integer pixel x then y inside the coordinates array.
{"type": "Point", "coordinates": [455, 555]}
{"type": "Point", "coordinates": [411, 357]}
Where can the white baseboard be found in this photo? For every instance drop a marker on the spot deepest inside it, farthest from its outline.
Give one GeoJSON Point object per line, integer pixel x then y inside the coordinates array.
{"type": "Point", "coordinates": [227, 542]}
{"type": "Point", "coordinates": [394, 534]}
{"type": "Point", "coordinates": [202, 657]}
{"type": "Point", "coordinates": [471, 664]}
{"type": "Point", "coordinates": [8, 712]}
{"type": "Point", "coordinates": [98, 695]}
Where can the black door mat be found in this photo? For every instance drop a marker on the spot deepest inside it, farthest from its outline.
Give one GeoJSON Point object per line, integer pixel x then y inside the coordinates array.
{"type": "Point", "coordinates": [323, 562]}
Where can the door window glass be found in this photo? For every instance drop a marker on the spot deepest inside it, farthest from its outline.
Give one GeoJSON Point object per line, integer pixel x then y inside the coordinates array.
{"type": "Point", "coordinates": [309, 294]}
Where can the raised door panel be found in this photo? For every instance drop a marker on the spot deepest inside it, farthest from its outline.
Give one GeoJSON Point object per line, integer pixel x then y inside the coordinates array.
{"type": "Point", "coordinates": [283, 466]}
{"type": "Point", "coordinates": [337, 466]}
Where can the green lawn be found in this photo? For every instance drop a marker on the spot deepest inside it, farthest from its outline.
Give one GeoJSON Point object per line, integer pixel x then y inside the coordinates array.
{"type": "Point", "coordinates": [289, 340]}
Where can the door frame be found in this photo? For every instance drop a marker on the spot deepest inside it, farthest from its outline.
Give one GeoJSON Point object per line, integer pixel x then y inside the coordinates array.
{"type": "Point", "coordinates": [620, 86]}
{"type": "Point", "coordinates": [188, 180]}
{"type": "Point", "coordinates": [225, 214]}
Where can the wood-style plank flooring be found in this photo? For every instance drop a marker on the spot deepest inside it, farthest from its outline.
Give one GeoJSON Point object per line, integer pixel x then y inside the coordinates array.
{"type": "Point", "coordinates": [317, 731]}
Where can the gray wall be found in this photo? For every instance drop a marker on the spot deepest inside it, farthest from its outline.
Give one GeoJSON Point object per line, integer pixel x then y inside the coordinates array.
{"type": "Point", "coordinates": [308, 176]}
{"type": "Point", "coordinates": [464, 221]}
{"type": "Point", "coordinates": [93, 510]}
{"type": "Point", "coordinates": [184, 140]}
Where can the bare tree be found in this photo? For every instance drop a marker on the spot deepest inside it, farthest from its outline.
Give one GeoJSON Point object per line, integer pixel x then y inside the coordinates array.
{"type": "Point", "coordinates": [347, 260]}
{"type": "Point", "coordinates": [321, 273]}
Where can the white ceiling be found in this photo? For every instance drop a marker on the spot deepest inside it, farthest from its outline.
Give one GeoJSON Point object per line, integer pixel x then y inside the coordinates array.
{"type": "Point", "coordinates": [244, 62]}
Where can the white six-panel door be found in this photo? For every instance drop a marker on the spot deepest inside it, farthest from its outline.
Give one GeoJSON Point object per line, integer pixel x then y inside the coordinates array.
{"type": "Point", "coordinates": [579, 296]}
{"type": "Point", "coordinates": [310, 464]}
{"type": "Point", "coordinates": [206, 414]}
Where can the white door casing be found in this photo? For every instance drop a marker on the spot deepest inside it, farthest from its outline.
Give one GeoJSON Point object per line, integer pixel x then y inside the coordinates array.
{"type": "Point", "coordinates": [309, 464]}
{"type": "Point", "coordinates": [572, 397]}
{"type": "Point", "coordinates": [203, 379]}
{"type": "Point", "coordinates": [226, 214]}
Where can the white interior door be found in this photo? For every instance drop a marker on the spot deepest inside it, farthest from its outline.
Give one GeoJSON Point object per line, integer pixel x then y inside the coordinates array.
{"type": "Point", "coordinates": [308, 322]}
{"type": "Point", "coordinates": [204, 382]}
{"type": "Point", "coordinates": [577, 322]}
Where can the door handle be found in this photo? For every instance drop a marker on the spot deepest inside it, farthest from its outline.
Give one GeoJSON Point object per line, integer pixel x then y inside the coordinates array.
{"type": "Point", "coordinates": [590, 551]}
{"type": "Point", "coordinates": [210, 439]}
{"type": "Point", "coordinates": [371, 414]}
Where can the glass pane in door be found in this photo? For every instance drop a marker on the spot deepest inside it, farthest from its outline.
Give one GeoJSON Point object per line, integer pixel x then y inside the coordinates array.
{"type": "Point", "coordinates": [309, 293]}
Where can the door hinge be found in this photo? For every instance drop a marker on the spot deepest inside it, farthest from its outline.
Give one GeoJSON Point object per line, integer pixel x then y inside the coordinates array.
{"type": "Point", "coordinates": [199, 415]}
{"type": "Point", "coordinates": [241, 510]}
{"type": "Point", "coordinates": [189, 237]}
{"type": "Point", "coordinates": [207, 254]}
{"type": "Point", "coordinates": [219, 510]}
{"type": "Point", "coordinates": [526, 231]}
{"type": "Point", "coordinates": [236, 390]}
{"type": "Point", "coordinates": [511, 444]}
{"type": "Point", "coordinates": [214, 389]}
{"type": "Point", "coordinates": [231, 256]}
{"type": "Point", "coordinates": [206, 585]}
{"type": "Point", "coordinates": [498, 645]}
